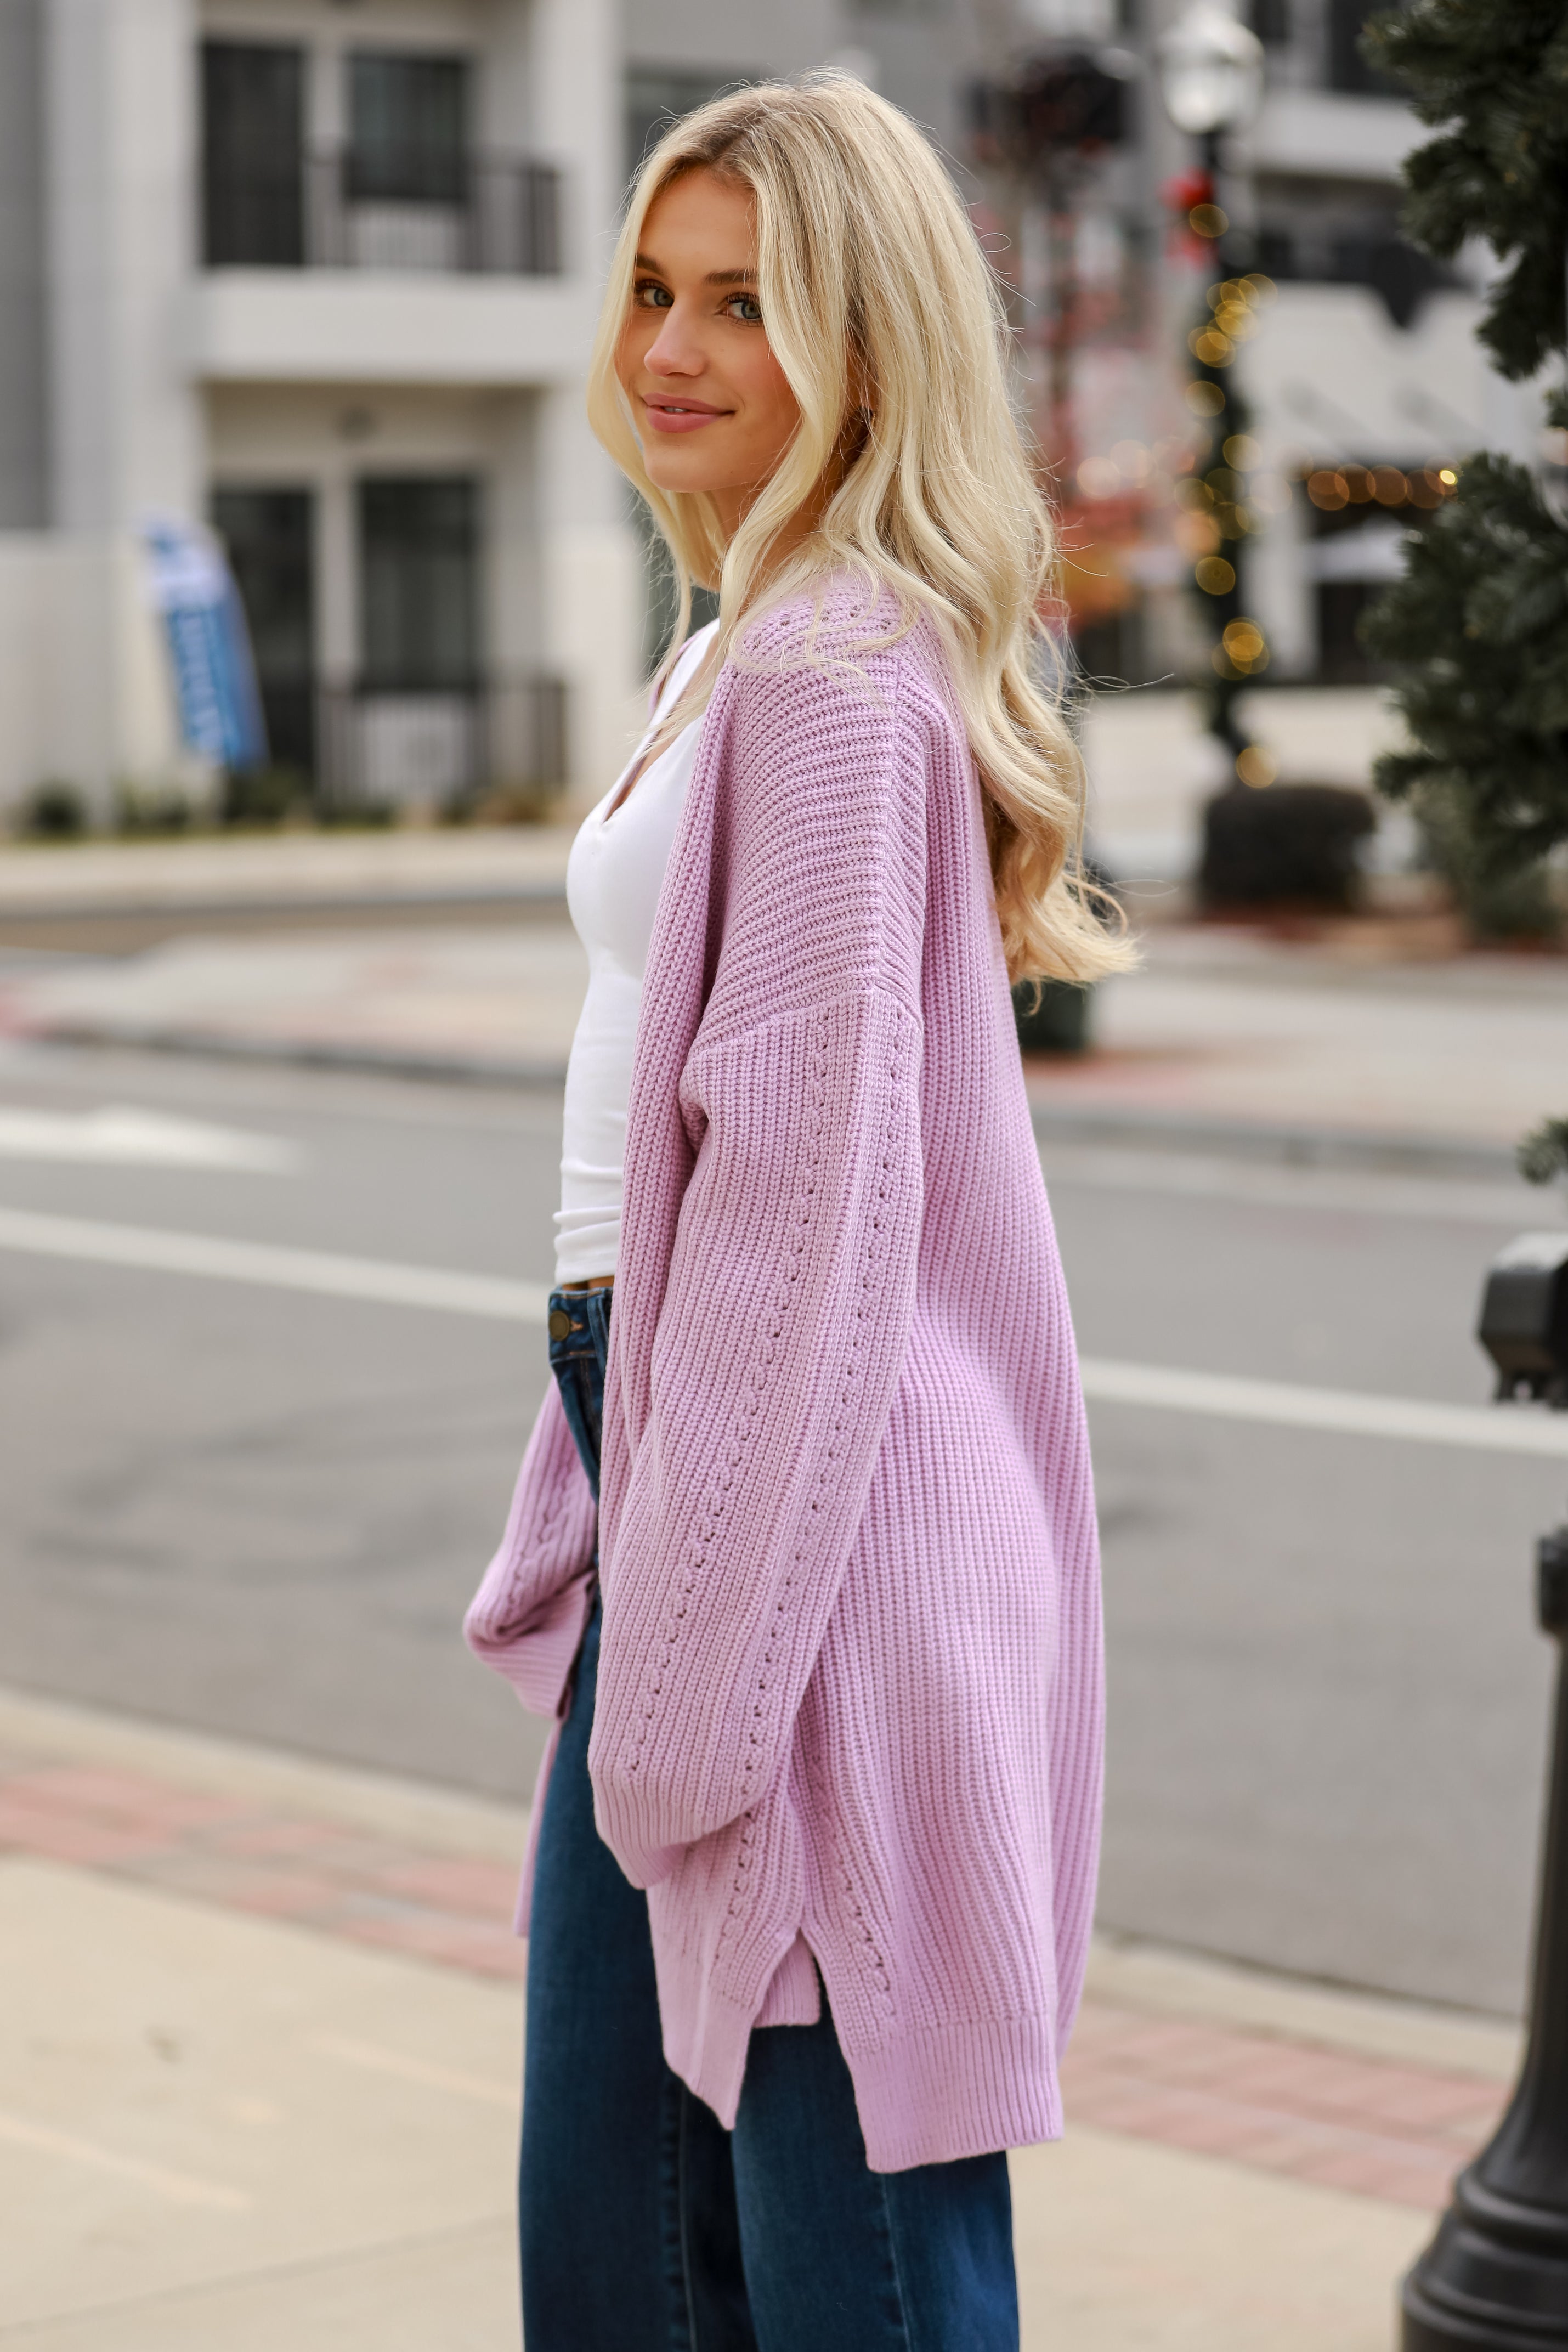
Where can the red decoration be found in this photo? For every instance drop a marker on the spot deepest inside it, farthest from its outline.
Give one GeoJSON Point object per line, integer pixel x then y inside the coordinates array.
{"type": "Point", "coordinates": [1186, 189]}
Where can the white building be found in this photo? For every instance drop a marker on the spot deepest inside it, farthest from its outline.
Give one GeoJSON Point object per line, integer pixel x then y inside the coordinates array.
{"type": "Point", "coordinates": [327, 274]}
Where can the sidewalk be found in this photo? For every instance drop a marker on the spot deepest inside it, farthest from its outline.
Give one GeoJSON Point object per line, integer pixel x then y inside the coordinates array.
{"type": "Point", "coordinates": [1223, 1028]}
{"type": "Point", "coordinates": [260, 2086]}
{"type": "Point", "coordinates": [284, 872]}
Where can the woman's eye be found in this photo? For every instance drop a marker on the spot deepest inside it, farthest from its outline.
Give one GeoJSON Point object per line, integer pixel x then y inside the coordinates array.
{"type": "Point", "coordinates": [746, 308]}
{"type": "Point", "coordinates": [650, 296]}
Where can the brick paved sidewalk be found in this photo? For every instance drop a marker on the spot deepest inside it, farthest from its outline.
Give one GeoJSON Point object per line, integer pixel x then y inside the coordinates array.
{"type": "Point", "coordinates": [1380, 2127]}
{"type": "Point", "coordinates": [456, 1910]}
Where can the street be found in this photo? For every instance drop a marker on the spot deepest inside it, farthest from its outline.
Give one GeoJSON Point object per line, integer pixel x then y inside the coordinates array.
{"type": "Point", "coordinates": [235, 1506]}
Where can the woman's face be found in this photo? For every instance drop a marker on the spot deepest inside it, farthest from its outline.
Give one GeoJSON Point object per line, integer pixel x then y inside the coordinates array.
{"type": "Point", "coordinates": [710, 401]}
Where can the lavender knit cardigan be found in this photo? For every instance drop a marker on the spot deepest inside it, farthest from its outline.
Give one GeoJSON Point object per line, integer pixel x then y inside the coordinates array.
{"type": "Point", "coordinates": [850, 1689]}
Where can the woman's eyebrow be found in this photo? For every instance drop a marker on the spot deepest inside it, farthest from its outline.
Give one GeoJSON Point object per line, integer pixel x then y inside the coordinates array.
{"type": "Point", "coordinates": [714, 277]}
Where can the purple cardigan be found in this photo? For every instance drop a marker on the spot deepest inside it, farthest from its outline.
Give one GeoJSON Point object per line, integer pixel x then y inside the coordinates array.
{"type": "Point", "coordinates": [850, 1689]}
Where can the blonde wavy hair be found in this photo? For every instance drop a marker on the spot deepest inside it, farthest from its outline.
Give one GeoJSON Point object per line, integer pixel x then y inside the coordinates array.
{"type": "Point", "coordinates": [884, 315]}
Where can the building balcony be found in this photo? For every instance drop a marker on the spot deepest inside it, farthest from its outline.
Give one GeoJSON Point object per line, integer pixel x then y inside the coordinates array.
{"type": "Point", "coordinates": [486, 214]}
{"type": "Point", "coordinates": [368, 747]}
{"type": "Point", "coordinates": [323, 273]}
{"type": "Point", "coordinates": [364, 327]}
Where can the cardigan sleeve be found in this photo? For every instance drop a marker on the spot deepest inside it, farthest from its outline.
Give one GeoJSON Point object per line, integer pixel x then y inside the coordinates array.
{"type": "Point", "coordinates": [791, 1285]}
{"type": "Point", "coordinates": [527, 1616]}
{"type": "Point", "coordinates": [1078, 1693]}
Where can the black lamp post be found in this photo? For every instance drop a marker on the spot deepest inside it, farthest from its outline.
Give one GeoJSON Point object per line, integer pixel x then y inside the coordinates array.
{"type": "Point", "coordinates": [1211, 80]}
{"type": "Point", "coordinates": [1495, 2277]}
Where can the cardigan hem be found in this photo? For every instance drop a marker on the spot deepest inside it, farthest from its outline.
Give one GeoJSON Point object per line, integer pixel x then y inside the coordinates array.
{"type": "Point", "coordinates": [932, 2098]}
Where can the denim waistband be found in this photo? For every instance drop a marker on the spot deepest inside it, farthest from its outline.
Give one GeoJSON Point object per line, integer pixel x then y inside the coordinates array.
{"type": "Point", "coordinates": [579, 1327]}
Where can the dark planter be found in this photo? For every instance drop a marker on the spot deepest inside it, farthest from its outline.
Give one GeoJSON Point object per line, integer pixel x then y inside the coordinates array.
{"type": "Point", "coordinates": [1057, 1022]}
{"type": "Point", "coordinates": [1285, 845]}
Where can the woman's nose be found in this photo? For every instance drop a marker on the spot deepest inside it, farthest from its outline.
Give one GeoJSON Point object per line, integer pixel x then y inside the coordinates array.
{"type": "Point", "coordinates": [673, 351]}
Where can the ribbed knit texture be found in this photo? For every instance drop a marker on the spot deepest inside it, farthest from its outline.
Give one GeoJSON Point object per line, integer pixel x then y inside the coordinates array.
{"type": "Point", "coordinates": [850, 1688]}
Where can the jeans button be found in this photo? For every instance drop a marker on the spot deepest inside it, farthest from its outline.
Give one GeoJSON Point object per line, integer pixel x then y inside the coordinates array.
{"type": "Point", "coordinates": [561, 1324]}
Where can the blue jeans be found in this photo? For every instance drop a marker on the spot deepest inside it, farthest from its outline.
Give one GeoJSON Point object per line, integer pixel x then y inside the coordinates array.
{"type": "Point", "coordinates": [645, 2226]}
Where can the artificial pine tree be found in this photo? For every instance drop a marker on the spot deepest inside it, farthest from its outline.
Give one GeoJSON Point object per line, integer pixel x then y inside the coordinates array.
{"type": "Point", "coordinates": [1495, 72]}
{"type": "Point", "coordinates": [1476, 631]}
{"type": "Point", "coordinates": [1477, 634]}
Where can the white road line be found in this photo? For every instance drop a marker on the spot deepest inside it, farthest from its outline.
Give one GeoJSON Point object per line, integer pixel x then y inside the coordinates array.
{"type": "Point", "coordinates": [151, 1250]}
{"type": "Point", "coordinates": [178, 2187]}
{"type": "Point", "coordinates": [1160, 1387]}
{"type": "Point", "coordinates": [1343, 1412]}
{"type": "Point", "coordinates": [125, 1135]}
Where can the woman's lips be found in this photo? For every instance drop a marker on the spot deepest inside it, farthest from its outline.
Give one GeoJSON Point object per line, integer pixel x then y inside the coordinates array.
{"type": "Point", "coordinates": [679, 415]}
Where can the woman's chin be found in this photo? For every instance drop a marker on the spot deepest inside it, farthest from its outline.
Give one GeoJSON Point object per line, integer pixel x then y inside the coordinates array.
{"type": "Point", "coordinates": [673, 479]}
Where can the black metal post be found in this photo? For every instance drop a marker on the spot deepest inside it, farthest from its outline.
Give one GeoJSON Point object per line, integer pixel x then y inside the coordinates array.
{"type": "Point", "coordinates": [1495, 2277]}
{"type": "Point", "coordinates": [1224, 606]}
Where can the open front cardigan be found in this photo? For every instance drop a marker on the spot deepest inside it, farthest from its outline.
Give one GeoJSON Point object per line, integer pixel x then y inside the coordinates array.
{"type": "Point", "coordinates": [850, 1688]}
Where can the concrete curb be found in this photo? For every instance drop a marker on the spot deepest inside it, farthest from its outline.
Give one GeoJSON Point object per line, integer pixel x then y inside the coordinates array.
{"type": "Point", "coordinates": [20, 914]}
{"type": "Point", "coordinates": [310, 1053]}
{"type": "Point", "coordinates": [1282, 1144]}
{"type": "Point", "coordinates": [1126, 1125]}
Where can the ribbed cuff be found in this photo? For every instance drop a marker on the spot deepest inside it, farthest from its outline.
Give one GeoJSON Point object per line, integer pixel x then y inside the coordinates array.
{"type": "Point", "coordinates": [966, 2090]}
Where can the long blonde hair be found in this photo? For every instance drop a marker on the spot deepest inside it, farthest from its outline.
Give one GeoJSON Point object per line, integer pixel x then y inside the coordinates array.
{"type": "Point", "coordinates": [879, 308]}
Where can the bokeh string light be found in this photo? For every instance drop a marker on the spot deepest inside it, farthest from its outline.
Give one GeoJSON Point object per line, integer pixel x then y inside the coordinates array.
{"type": "Point", "coordinates": [1333, 488]}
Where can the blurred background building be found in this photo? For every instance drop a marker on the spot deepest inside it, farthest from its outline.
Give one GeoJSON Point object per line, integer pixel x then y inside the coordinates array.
{"type": "Point", "coordinates": [323, 273]}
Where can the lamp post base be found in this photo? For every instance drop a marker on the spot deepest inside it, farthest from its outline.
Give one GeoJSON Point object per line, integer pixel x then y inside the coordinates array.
{"type": "Point", "coordinates": [1494, 2279]}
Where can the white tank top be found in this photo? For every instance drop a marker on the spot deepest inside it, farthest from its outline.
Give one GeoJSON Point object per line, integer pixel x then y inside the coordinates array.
{"type": "Point", "coordinates": [612, 882]}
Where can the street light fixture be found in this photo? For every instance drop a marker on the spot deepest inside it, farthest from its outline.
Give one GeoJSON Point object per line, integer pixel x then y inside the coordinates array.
{"type": "Point", "coordinates": [1211, 72]}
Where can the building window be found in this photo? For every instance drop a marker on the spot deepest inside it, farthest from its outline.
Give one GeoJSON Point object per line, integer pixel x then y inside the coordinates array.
{"type": "Point", "coordinates": [408, 129]}
{"type": "Point", "coordinates": [1270, 20]}
{"type": "Point", "coordinates": [656, 100]}
{"type": "Point", "coordinates": [1344, 235]}
{"type": "Point", "coordinates": [419, 584]}
{"type": "Point", "coordinates": [1356, 520]}
{"type": "Point", "coordinates": [252, 107]}
{"type": "Point", "coordinates": [270, 538]}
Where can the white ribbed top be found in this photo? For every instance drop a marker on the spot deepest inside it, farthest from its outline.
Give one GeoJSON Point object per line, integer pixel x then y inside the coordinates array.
{"type": "Point", "coordinates": [613, 877]}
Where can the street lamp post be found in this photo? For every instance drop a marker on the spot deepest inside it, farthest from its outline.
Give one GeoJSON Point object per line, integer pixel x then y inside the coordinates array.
{"type": "Point", "coordinates": [1495, 2277]}
{"type": "Point", "coordinates": [1211, 80]}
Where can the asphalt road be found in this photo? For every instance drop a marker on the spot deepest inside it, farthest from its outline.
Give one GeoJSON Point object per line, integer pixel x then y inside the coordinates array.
{"type": "Point", "coordinates": [243, 1507]}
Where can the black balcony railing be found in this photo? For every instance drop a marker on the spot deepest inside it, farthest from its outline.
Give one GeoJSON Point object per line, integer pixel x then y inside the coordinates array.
{"type": "Point", "coordinates": [496, 214]}
{"type": "Point", "coordinates": [367, 749]}
{"type": "Point", "coordinates": [440, 746]}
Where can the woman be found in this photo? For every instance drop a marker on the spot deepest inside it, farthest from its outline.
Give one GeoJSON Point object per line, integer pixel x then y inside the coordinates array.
{"type": "Point", "coordinates": [825, 1658]}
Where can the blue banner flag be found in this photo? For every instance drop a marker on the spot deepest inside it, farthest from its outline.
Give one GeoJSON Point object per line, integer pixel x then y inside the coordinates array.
{"type": "Point", "coordinates": [209, 645]}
